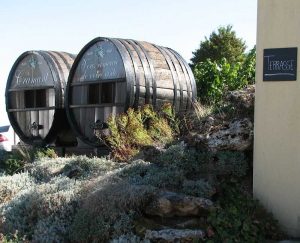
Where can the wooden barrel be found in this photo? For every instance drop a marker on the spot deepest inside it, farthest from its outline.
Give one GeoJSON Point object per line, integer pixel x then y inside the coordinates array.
{"type": "Point", "coordinates": [110, 75]}
{"type": "Point", "coordinates": [35, 97]}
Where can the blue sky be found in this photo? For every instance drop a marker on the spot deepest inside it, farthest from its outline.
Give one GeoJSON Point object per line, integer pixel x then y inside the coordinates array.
{"type": "Point", "coordinates": [67, 25]}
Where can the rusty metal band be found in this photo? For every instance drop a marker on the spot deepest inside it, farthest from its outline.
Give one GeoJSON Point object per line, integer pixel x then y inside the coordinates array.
{"type": "Point", "coordinates": [152, 73]}
{"type": "Point", "coordinates": [175, 61]}
{"type": "Point", "coordinates": [173, 72]}
{"type": "Point", "coordinates": [58, 67]}
{"type": "Point", "coordinates": [136, 73]}
{"type": "Point", "coordinates": [187, 80]}
{"type": "Point", "coordinates": [145, 66]}
{"type": "Point", "coordinates": [128, 70]}
{"type": "Point", "coordinates": [61, 55]}
{"type": "Point", "coordinates": [192, 78]}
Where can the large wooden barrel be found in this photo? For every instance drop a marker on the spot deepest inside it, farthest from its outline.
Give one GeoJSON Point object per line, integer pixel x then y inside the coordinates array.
{"type": "Point", "coordinates": [110, 75]}
{"type": "Point", "coordinates": [35, 97]}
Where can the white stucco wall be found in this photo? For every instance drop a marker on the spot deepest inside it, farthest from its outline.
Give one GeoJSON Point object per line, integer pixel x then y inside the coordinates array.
{"type": "Point", "coordinates": [276, 175]}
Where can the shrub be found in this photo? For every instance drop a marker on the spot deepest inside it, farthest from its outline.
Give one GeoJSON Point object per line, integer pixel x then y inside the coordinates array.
{"type": "Point", "coordinates": [12, 238]}
{"type": "Point", "coordinates": [45, 152]}
{"type": "Point", "coordinates": [131, 131]}
{"type": "Point", "coordinates": [107, 209]}
{"type": "Point", "coordinates": [11, 162]}
{"type": "Point", "coordinates": [82, 167]}
{"type": "Point", "coordinates": [186, 170]}
{"type": "Point", "coordinates": [80, 199]}
{"type": "Point", "coordinates": [203, 163]}
{"type": "Point", "coordinates": [44, 169]}
{"type": "Point", "coordinates": [11, 185]}
{"type": "Point", "coordinates": [77, 167]}
{"type": "Point", "coordinates": [15, 161]}
{"type": "Point", "coordinates": [239, 218]}
{"type": "Point", "coordinates": [214, 78]}
{"type": "Point", "coordinates": [41, 212]}
{"type": "Point", "coordinates": [198, 188]}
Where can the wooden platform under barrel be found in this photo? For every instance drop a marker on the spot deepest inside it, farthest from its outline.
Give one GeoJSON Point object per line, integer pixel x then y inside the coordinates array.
{"type": "Point", "coordinates": [35, 97]}
{"type": "Point", "coordinates": [110, 75]}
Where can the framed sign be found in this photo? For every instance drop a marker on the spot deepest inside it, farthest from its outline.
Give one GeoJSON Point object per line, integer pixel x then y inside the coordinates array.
{"type": "Point", "coordinates": [280, 64]}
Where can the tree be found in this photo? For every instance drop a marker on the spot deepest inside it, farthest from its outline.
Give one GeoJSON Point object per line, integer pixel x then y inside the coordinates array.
{"type": "Point", "coordinates": [214, 78]}
{"type": "Point", "coordinates": [221, 44]}
{"type": "Point", "coordinates": [248, 68]}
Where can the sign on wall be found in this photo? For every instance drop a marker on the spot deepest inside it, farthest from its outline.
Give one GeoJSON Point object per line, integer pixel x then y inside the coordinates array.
{"type": "Point", "coordinates": [280, 64]}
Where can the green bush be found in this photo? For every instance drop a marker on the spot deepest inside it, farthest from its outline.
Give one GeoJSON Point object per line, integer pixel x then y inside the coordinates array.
{"type": "Point", "coordinates": [215, 78]}
{"type": "Point", "coordinates": [44, 153]}
{"type": "Point", "coordinates": [12, 162]}
{"type": "Point", "coordinates": [221, 64]}
{"type": "Point", "coordinates": [15, 161]}
{"type": "Point", "coordinates": [12, 238]}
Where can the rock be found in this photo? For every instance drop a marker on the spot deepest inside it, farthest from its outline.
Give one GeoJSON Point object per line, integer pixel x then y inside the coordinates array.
{"type": "Point", "coordinates": [149, 153]}
{"type": "Point", "coordinates": [75, 172]}
{"type": "Point", "coordinates": [175, 235]}
{"type": "Point", "coordinates": [200, 188]}
{"type": "Point", "coordinates": [129, 238]}
{"type": "Point", "coordinates": [236, 135]}
{"type": "Point", "coordinates": [242, 99]}
{"type": "Point", "coordinates": [169, 204]}
{"type": "Point", "coordinates": [191, 223]}
{"type": "Point", "coordinates": [142, 224]}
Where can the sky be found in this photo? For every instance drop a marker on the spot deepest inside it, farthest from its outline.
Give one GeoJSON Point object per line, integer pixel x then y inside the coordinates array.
{"type": "Point", "coordinates": [67, 25]}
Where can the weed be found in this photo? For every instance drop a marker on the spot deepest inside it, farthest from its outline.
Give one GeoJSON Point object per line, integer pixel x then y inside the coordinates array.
{"type": "Point", "coordinates": [135, 129]}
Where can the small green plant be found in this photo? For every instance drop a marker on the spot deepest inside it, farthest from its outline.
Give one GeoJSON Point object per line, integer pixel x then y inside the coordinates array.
{"type": "Point", "coordinates": [131, 131]}
{"type": "Point", "coordinates": [240, 218]}
{"type": "Point", "coordinates": [45, 153]}
{"type": "Point", "coordinates": [215, 78]}
{"type": "Point", "coordinates": [12, 162]}
{"type": "Point", "coordinates": [12, 238]}
{"type": "Point", "coordinates": [15, 161]}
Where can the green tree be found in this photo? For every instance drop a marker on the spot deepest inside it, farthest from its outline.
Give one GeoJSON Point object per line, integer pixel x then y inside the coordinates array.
{"type": "Point", "coordinates": [248, 66]}
{"type": "Point", "coordinates": [214, 78]}
{"type": "Point", "coordinates": [221, 44]}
